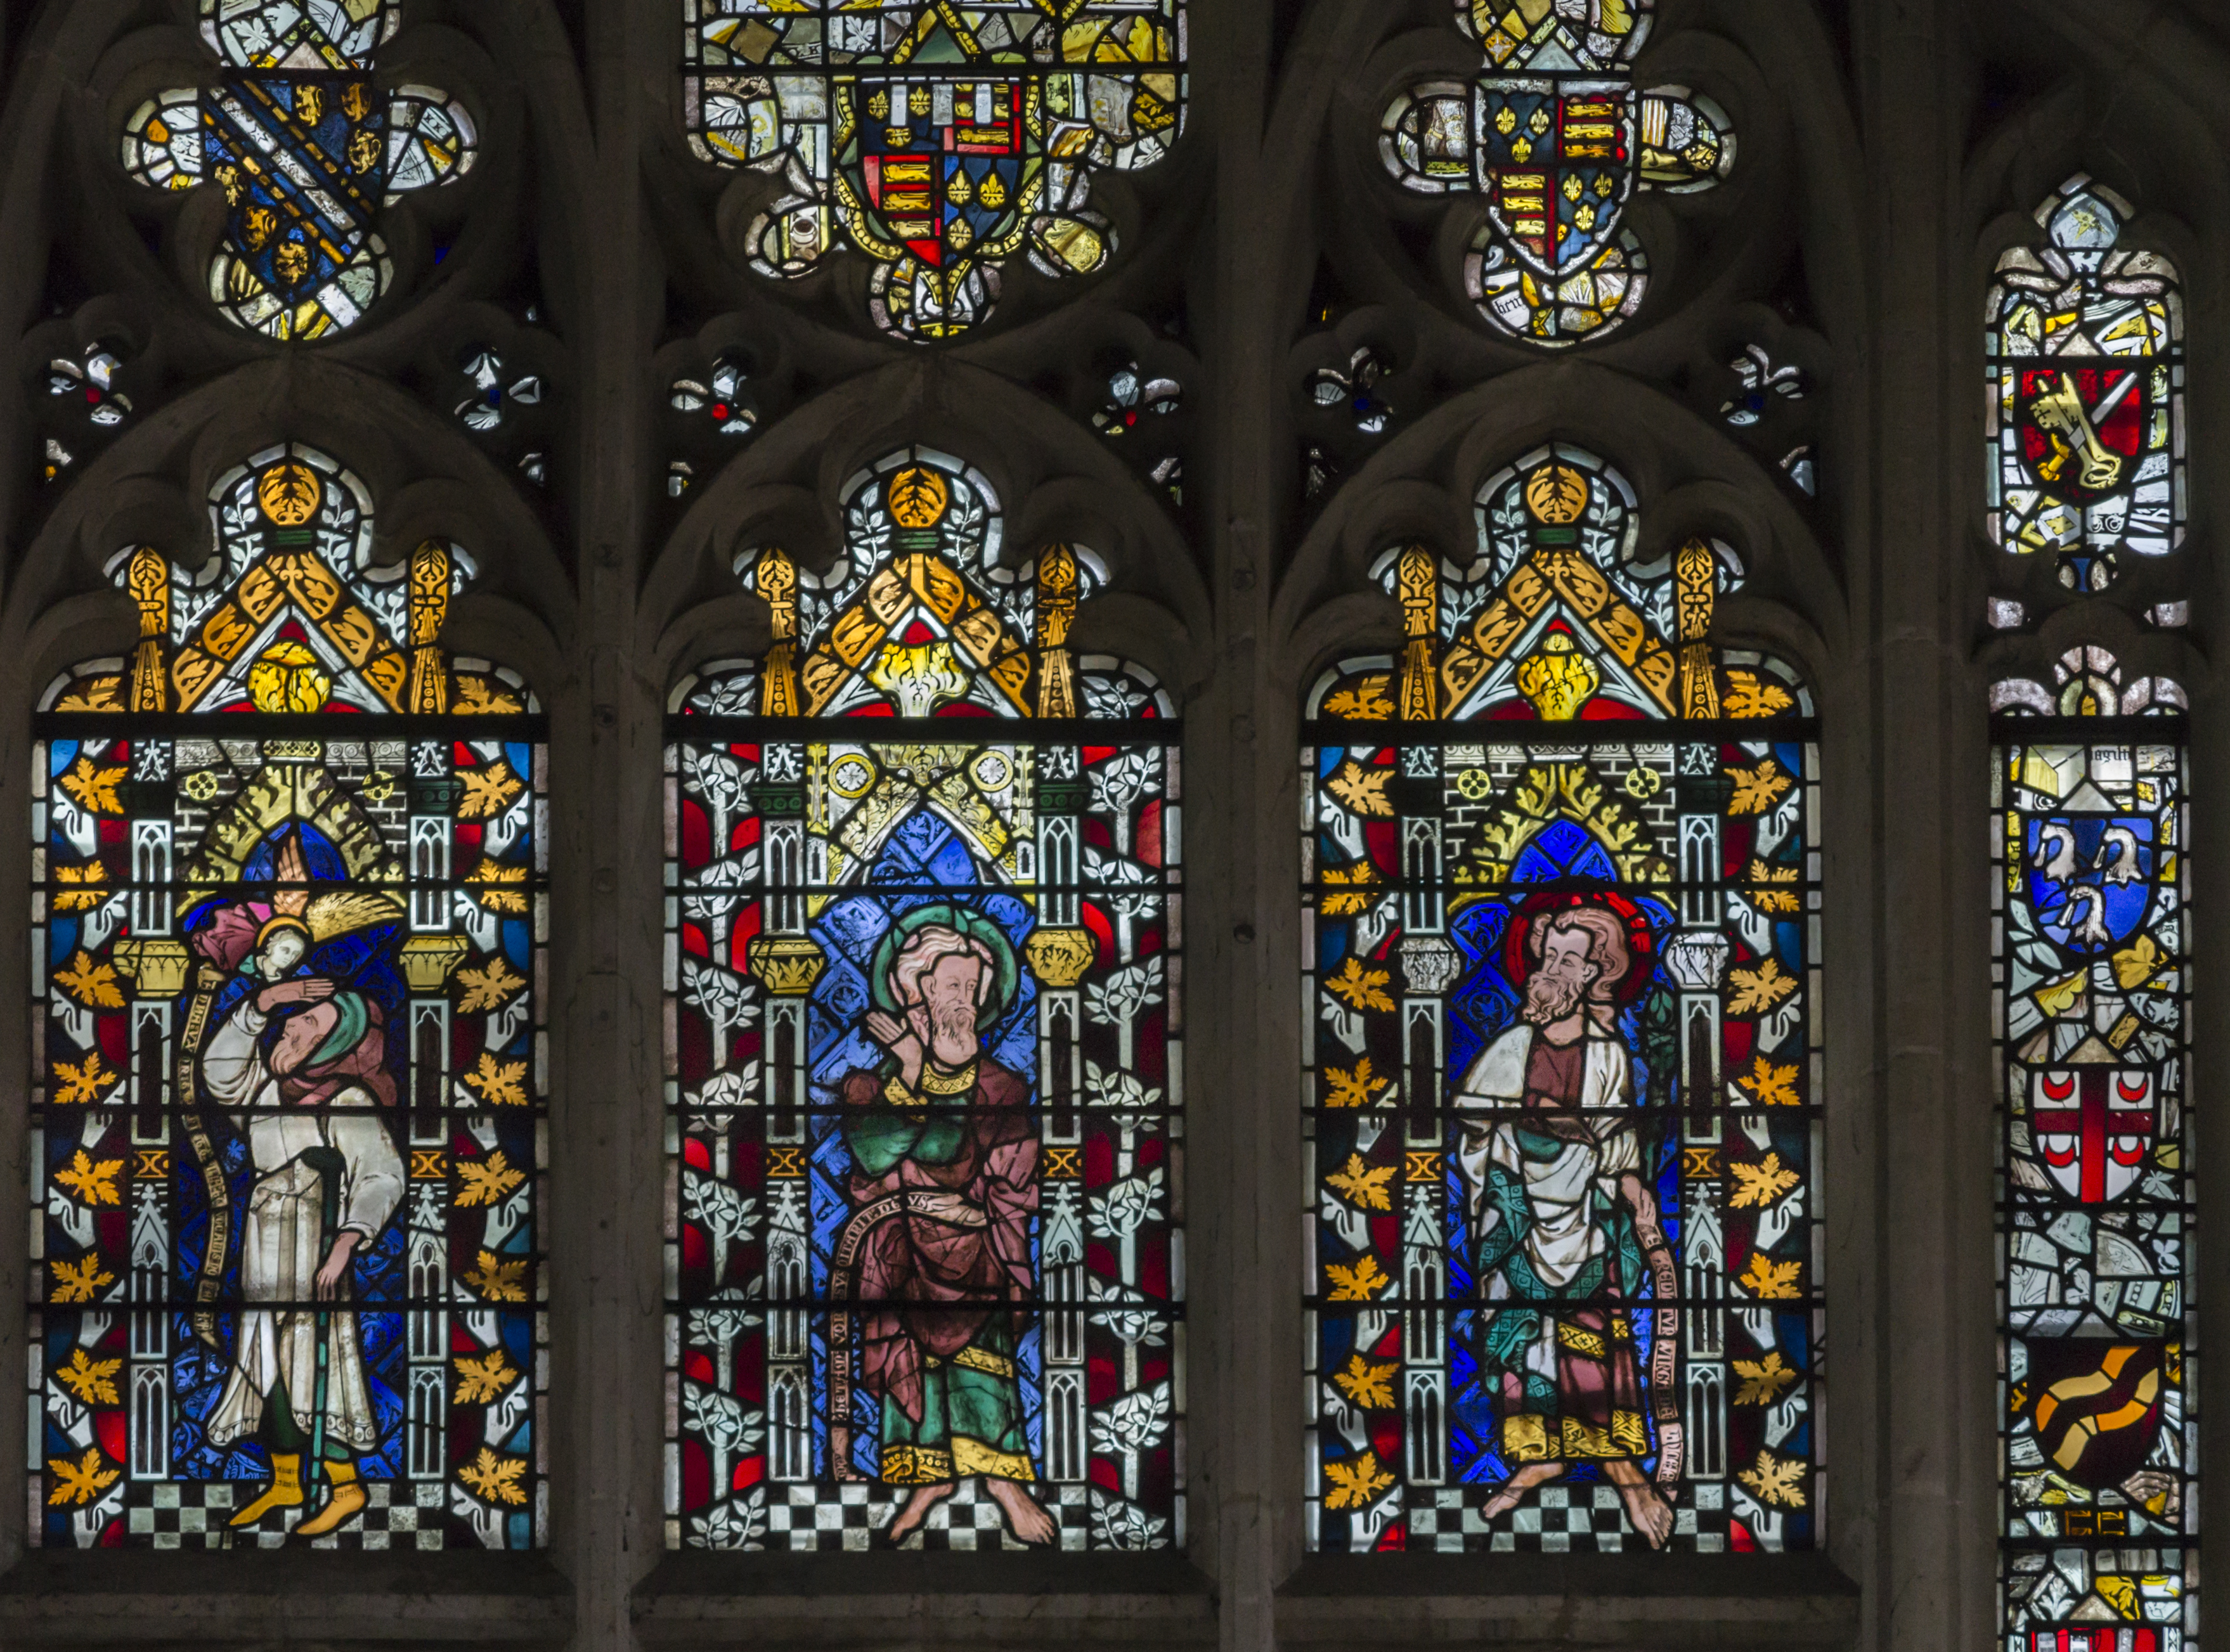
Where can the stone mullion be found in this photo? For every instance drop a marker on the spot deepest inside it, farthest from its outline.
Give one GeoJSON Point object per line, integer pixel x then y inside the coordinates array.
{"type": "Point", "coordinates": [1926, 1335]}
{"type": "Point", "coordinates": [607, 1182]}
{"type": "Point", "coordinates": [1242, 918]}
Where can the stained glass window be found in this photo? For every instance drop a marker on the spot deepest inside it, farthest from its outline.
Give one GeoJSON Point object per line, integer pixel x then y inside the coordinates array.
{"type": "Point", "coordinates": [1552, 132]}
{"type": "Point", "coordinates": [307, 147]}
{"type": "Point", "coordinates": [2094, 1214]}
{"type": "Point", "coordinates": [1561, 1029]}
{"type": "Point", "coordinates": [940, 141]}
{"type": "Point", "coordinates": [924, 977]}
{"type": "Point", "coordinates": [2087, 394]}
{"type": "Point", "coordinates": [286, 1137]}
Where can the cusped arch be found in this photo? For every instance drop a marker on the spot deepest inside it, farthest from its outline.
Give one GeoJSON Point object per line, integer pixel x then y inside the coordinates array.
{"type": "Point", "coordinates": [422, 478]}
{"type": "Point", "coordinates": [1688, 475]}
{"type": "Point", "coordinates": [1054, 485]}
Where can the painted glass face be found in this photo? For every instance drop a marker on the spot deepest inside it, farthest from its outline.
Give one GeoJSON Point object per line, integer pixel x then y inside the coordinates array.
{"type": "Point", "coordinates": [286, 1135]}
{"type": "Point", "coordinates": [1560, 926]}
{"type": "Point", "coordinates": [925, 1268]}
{"type": "Point", "coordinates": [2095, 1203]}
{"type": "Point", "coordinates": [941, 141]}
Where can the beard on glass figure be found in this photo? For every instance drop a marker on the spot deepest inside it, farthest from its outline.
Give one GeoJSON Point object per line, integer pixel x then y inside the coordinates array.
{"type": "Point", "coordinates": [1567, 1227]}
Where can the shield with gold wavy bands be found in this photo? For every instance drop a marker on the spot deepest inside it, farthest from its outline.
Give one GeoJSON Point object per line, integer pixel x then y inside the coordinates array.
{"type": "Point", "coordinates": [1557, 165]}
{"type": "Point", "coordinates": [2095, 1405]}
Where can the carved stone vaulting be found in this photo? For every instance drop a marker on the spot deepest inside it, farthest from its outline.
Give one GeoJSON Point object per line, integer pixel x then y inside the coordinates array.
{"type": "Point", "coordinates": [1138, 823]}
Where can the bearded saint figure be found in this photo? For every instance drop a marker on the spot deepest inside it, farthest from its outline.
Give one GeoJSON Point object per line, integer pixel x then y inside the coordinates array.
{"type": "Point", "coordinates": [1566, 1226]}
{"type": "Point", "coordinates": [943, 1190]}
{"type": "Point", "coordinates": [299, 1060]}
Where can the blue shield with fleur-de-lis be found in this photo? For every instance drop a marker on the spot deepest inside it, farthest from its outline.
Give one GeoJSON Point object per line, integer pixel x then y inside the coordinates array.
{"type": "Point", "coordinates": [2089, 877]}
{"type": "Point", "coordinates": [1555, 162]}
{"type": "Point", "coordinates": [940, 167]}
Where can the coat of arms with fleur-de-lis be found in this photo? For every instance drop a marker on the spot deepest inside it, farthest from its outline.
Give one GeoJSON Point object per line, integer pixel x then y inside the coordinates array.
{"type": "Point", "coordinates": [1557, 139]}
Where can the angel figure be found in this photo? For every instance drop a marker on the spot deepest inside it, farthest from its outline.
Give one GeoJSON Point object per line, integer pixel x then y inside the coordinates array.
{"type": "Point", "coordinates": [299, 1059]}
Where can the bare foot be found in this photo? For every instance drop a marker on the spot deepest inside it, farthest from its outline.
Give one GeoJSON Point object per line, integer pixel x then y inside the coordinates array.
{"type": "Point", "coordinates": [1025, 1518]}
{"type": "Point", "coordinates": [909, 1519]}
{"type": "Point", "coordinates": [1651, 1514]}
{"type": "Point", "coordinates": [1514, 1489]}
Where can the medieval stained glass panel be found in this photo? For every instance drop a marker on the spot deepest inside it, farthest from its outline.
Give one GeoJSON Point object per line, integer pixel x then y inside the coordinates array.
{"type": "Point", "coordinates": [2087, 394]}
{"type": "Point", "coordinates": [940, 141]}
{"type": "Point", "coordinates": [287, 1133]}
{"type": "Point", "coordinates": [1560, 1023]}
{"type": "Point", "coordinates": [2097, 1377]}
{"type": "Point", "coordinates": [925, 1267]}
{"type": "Point", "coordinates": [1552, 134]}
{"type": "Point", "coordinates": [307, 147]}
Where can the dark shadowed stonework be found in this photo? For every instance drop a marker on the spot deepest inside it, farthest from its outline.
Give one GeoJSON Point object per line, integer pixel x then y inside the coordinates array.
{"type": "Point", "coordinates": [1889, 151]}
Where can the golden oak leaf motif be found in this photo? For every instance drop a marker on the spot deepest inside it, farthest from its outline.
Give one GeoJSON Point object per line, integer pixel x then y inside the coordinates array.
{"type": "Point", "coordinates": [478, 696]}
{"type": "Point", "coordinates": [1363, 790]}
{"type": "Point", "coordinates": [1778, 1482]}
{"type": "Point", "coordinates": [488, 790]}
{"type": "Point", "coordinates": [497, 1280]}
{"type": "Point", "coordinates": [77, 1282]}
{"type": "Point", "coordinates": [491, 876]}
{"type": "Point", "coordinates": [1359, 1282]}
{"type": "Point", "coordinates": [1766, 899]}
{"type": "Point", "coordinates": [1761, 989]}
{"type": "Point", "coordinates": [1750, 695]}
{"type": "Point", "coordinates": [1763, 1380]}
{"type": "Point", "coordinates": [1370, 1386]}
{"type": "Point", "coordinates": [1355, 1086]}
{"type": "Point", "coordinates": [487, 1181]}
{"type": "Point", "coordinates": [1364, 701]}
{"type": "Point", "coordinates": [1762, 1183]}
{"type": "Point", "coordinates": [482, 1382]}
{"type": "Point", "coordinates": [1355, 1484]}
{"type": "Point", "coordinates": [1769, 1281]}
{"type": "Point", "coordinates": [93, 694]}
{"type": "Point", "coordinates": [1362, 988]}
{"type": "Point", "coordinates": [489, 988]}
{"type": "Point", "coordinates": [80, 1481]}
{"type": "Point", "coordinates": [93, 1381]}
{"type": "Point", "coordinates": [91, 982]}
{"type": "Point", "coordinates": [94, 785]}
{"type": "Point", "coordinates": [1361, 1184]}
{"type": "Point", "coordinates": [1359, 875]}
{"type": "Point", "coordinates": [1758, 789]}
{"type": "Point", "coordinates": [83, 1083]}
{"type": "Point", "coordinates": [1770, 1084]}
{"type": "Point", "coordinates": [499, 1083]}
{"type": "Point", "coordinates": [95, 1182]}
{"type": "Point", "coordinates": [495, 1479]}
{"type": "Point", "coordinates": [88, 892]}
{"type": "Point", "coordinates": [2139, 962]}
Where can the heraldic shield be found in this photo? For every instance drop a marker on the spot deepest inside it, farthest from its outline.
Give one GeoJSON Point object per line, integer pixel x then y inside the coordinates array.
{"type": "Point", "coordinates": [1554, 162]}
{"type": "Point", "coordinates": [2096, 1405]}
{"type": "Point", "coordinates": [936, 167]}
{"type": "Point", "coordinates": [2095, 1127]}
{"type": "Point", "coordinates": [2083, 425]}
{"type": "Point", "coordinates": [2090, 877]}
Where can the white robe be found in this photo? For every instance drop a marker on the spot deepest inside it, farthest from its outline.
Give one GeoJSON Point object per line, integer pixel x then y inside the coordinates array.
{"type": "Point", "coordinates": [1565, 1235]}
{"type": "Point", "coordinates": [282, 1245]}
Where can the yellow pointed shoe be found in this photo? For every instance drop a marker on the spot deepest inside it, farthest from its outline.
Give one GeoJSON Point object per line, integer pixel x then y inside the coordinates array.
{"type": "Point", "coordinates": [346, 1502]}
{"type": "Point", "coordinates": [284, 1492]}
